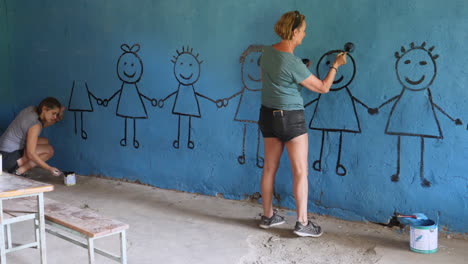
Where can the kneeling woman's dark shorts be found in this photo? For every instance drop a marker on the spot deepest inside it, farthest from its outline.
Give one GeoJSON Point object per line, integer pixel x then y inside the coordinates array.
{"type": "Point", "coordinates": [282, 124]}
{"type": "Point", "coordinates": [9, 160]}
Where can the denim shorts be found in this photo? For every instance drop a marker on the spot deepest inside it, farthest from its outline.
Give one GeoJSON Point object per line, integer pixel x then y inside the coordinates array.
{"type": "Point", "coordinates": [9, 160]}
{"type": "Point", "coordinates": [282, 124]}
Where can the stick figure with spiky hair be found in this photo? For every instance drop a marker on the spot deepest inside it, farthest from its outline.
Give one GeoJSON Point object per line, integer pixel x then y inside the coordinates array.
{"type": "Point", "coordinates": [130, 104]}
{"type": "Point", "coordinates": [187, 72]}
{"type": "Point", "coordinates": [413, 113]}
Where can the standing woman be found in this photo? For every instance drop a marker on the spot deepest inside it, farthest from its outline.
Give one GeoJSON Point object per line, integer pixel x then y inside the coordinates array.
{"type": "Point", "coordinates": [21, 146]}
{"type": "Point", "coordinates": [282, 119]}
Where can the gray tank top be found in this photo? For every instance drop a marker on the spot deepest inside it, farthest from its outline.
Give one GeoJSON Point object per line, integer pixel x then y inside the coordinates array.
{"type": "Point", "coordinates": [15, 136]}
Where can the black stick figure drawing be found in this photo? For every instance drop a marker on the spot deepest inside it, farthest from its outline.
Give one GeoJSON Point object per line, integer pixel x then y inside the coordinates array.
{"type": "Point", "coordinates": [187, 69]}
{"type": "Point", "coordinates": [335, 112]}
{"type": "Point", "coordinates": [77, 103]}
{"type": "Point", "coordinates": [413, 112]}
{"type": "Point", "coordinates": [248, 108]}
{"type": "Point", "coordinates": [130, 104]}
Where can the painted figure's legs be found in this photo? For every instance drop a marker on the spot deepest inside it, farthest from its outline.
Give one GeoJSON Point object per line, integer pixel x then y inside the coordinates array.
{"type": "Point", "coordinates": [74, 115]}
{"type": "Point", "coordinates": [396, 177]}
{"type": "Point", "coordinates": [424, 181]}
{"type": "Point", "coordinates": [123, 141]}
{"type": "Point", "coordinates": [136, 144]}
{"type": "Point", "coordinates": [84, 135]}
{"type": "Point", "coordinates": [317, 165]}
{"type": "Point", "coordinates": [241, 158]}
{"type": "Point", "coordinates": [190, 143]}
{"type": "Point", "coordinates": [175, 144]}
{"type": "Point", "coordinates": [273, 148]}
{"type": "Point", "coordinates": [340, 169]}
{"type": "Point", "coordinates": [298, 149]}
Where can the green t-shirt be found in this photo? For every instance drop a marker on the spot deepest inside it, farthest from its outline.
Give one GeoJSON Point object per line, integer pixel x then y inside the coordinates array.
{"type": "Point", "coordinates": [281, 74]}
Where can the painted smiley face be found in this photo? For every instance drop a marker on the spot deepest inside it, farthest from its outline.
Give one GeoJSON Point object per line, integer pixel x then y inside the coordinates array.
{"type": "Point", "coordinates": [345, 74]}
{"type": "Point", "coordinates": [187, 69]}
{"type": "Point", "coordinates": [129, 67]}
{"type": "Point", "coordinates": [416, 69]}
{"type": "Point", "coordinates": [251, 71]}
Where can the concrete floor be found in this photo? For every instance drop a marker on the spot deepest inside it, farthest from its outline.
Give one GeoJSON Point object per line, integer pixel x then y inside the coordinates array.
{"type": "Point", "coordinates": [174, 227]}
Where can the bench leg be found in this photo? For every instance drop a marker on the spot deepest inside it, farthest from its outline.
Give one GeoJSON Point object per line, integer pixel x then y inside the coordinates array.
{"type": "Point", "coordinates": [91, 250]}
{"type": "Point", "coordinates": [8, 237]}
{"type": "Point", "coordinates": [2, 236]}
{"type": "Point", "coordinates": [36, 228]}
{"type": "Point", "coordinates": [123, 247]}
{"type": "Point", "coordinates": [42, 235]}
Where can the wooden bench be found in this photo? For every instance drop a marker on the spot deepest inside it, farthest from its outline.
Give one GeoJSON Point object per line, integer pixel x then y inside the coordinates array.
{"type": "Point", "coordinates": [79, 222]}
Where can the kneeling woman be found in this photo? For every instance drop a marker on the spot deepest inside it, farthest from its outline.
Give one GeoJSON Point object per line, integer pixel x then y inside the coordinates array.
{"type": "Point", "coordinates": [20, 145]}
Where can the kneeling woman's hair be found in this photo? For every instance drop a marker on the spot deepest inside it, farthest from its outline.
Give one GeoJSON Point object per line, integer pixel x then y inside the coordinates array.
{"type": "Point", "coordinates": [49, 103]}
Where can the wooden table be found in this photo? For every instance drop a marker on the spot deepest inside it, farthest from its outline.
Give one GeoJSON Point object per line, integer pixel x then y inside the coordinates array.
{"type": "Point", "coordinates": [12, 187]}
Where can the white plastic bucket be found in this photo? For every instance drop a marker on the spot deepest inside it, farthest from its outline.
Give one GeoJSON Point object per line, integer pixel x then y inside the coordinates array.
{"type": "Point", "coordinates": [424, 236]}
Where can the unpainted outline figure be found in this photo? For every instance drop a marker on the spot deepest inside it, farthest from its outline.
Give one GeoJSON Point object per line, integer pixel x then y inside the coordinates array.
{"type": "Point", "coordinates": [335, 111]}
{"type": "Point", "coordinates": [187, 69]}
{"type": "Point", "coordinates": [413, 112]}
{"type": "Point", "coordinates": [248, 108]}
{"type": "Point", "coordinates": [76, 103]}
{"type": "Point", "coordinates": [130, 103]}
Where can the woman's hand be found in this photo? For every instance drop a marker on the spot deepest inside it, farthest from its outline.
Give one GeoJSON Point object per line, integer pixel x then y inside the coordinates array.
{"type": "Point", "coordinates": [56, 172]}
{"type": "Point", "coordinates": [60, 114]}
{"type": "Point", "coordinates": [340, 59]}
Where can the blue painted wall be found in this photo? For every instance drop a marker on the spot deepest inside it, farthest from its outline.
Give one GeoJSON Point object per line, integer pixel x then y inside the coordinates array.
{"type": "Point", "coordinates": [49, 45]}
{"type": "Point", "coordinates": [6, 98]}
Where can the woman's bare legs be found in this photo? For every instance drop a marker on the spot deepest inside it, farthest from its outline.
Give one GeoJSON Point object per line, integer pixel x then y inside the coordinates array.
{"type": "Point", "coordinates": [298, 149]}
{"type": "Point", "coordinates": [273, 148]}
{"type": "Point", "coordinates": [43, 149]}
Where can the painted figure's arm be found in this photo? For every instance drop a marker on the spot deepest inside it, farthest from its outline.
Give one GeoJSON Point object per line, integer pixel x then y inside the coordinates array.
{"type": "Point", "coordinates": [161, 101]}
{"type": "Point", "coordinates": [360, 102]}
{"type": "Point", "coordinates": [374, 111]}
{"type": "Point", "coordinates": [225, 101]}
{"type": "Point", "coordinates": [99, 101]}
{"type": "Point", "coordinates": [311, 102]}
{"type": "Point", "coordinates": [154, 101]}
{"type": "Point", "coordinates": [105, 102]}
{"type": "Point", "coordinates": [456, 121]}
{"type": "Point", "coordinates": [206, 97]}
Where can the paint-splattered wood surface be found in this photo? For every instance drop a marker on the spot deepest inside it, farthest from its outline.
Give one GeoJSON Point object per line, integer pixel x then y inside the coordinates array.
{"type": "Point", "coordinates": [84, 221]}
{"type": "Point", "coordinates": [12, 185]}
{"type": "Point", "coordinates": [8, 215]}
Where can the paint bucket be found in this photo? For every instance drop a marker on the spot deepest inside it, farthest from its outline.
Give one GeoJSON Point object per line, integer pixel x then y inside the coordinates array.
{"type": "Point", "coordinates": [424, 236]}
{"type": "Point", "coordinates": [69, 178]}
